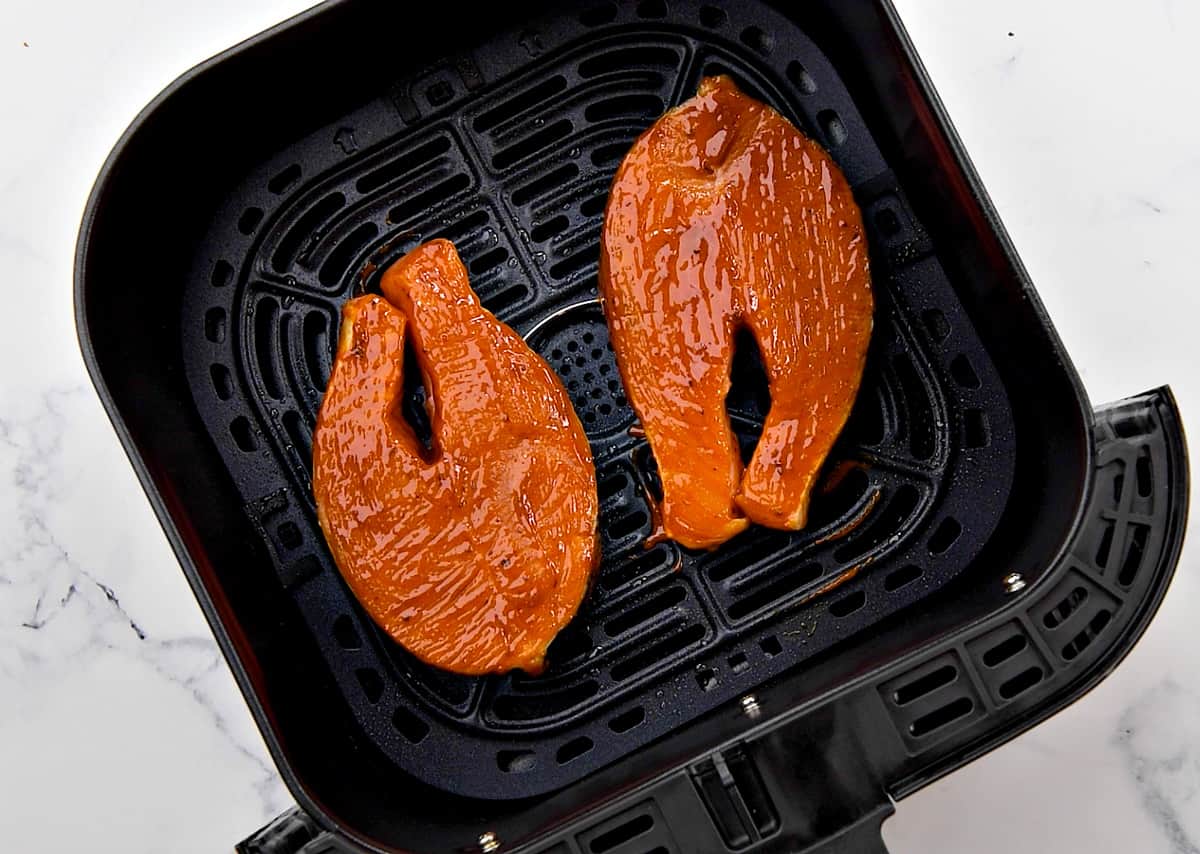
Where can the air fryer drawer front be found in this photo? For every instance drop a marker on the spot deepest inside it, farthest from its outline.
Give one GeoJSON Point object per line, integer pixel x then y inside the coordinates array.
{"type": "Point", "coordinates": [822, 778]}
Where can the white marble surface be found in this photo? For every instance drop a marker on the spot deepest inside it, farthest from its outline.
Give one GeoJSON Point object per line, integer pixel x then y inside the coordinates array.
{"type": "Point", "coordinates": [120, 728]}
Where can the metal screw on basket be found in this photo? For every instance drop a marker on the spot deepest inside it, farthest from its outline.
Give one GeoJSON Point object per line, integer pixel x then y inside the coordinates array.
{"type": "Point", "coordinates": [750, 706]}
{"type": "Point", "coordinates": [489, 842]}
{"type": "Point", "coordinates": [1014, 582]}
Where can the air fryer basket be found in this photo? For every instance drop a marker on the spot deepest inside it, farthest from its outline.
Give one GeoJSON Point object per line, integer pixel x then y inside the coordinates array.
{"type": "Point", "coordinates": [516, 173]}
{"type": "Point", "coordinates": [1022, 541]}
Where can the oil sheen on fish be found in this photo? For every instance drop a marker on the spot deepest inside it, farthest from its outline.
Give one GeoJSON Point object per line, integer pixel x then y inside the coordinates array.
{"type": "Point", "coordinates": [722, 217]}
{"type": "Point", "coordinates": [475, 550]}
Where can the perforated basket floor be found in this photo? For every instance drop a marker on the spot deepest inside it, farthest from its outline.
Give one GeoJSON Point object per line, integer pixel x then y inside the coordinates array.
{"type": "Point", "coordinates": [508, 150]}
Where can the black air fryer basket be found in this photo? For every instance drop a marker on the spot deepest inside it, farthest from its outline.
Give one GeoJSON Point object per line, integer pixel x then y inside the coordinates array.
{"type": "Point", "coordinates": [984, 547]}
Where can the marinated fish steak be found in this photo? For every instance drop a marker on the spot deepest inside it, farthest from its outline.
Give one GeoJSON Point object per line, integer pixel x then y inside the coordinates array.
{"type": "Point", "coordinates": [472, 550]}
{"type": "Point", "coordinates": [723, 217]}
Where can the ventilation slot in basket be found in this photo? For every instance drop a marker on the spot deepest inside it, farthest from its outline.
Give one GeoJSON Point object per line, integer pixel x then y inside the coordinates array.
{"type": "Point", "coordinates": [624, 58]}
{"type": "Point", "coordinates": [581, 259]}
{"type": "Point", "coordinates": [963, 373]}
{"type": "Point", "coordinates": [222, 381]}
{"type": "Point", "coordinates": [249, 220]}
{"type": "Point", "coordinates": [1135, 550]}
{"type": "Point", "coordinates": [1144, 476]}
{"type": "Point", "coordinates": [266, 343]}
{"type": "Point", "coordinates": [847, 605]}
{"type": "Point", "coordinates": [222, 274]}
{"type": "Point", "coordinates": [799, 77]}
{"type": "Point", "coordinates": [837, 501]}
{"type": "Point", "coordinates": [776, 591]}
{"type": "Point", "coordinates": [832, 127]}
{"type": "Point", "coordinates": [1104, 550]}
{"type": "Point", "coordinates": [945, 536]}
{"type": "Point", "coordinates": [544, 704]}
{"type": "Point", "coordinates": [570, 645]}
{"type": "Point", "coordinates": [532, 144]}
{"type": "Point", "coordinates": [285, 179]}
{"type": "Point", "coordinates": [501, 301]}
{"type": "Point", "coordinates": [713, 17]}
{"type": "Point", "coordinates": [516, 761]}
{"type": "Point", "coordinates": [1022, 682]}
{"type": "Point", "coordinates": [605, 156]}
{"type": "Point", "coordinates": [543, 231]}
{"type": "Point", "coordinates": [573, 749]}
{"type": "Point", "coordinates": [405, 164]}
{"type": "Point", "coordinates": [300, 437]}
{"type": "Point", "coordinates": [488, 261]}
{"type": "Point", "coordinates": [975, 428]}
{"type": "Point", "coordinates": [644, 566]}
{"type": "Point", "coordinates": [621, 834]}
{"type": "Point", "coordinates": [1065, 608]}
{"type": "Point", "coordinates": [926, 684]}
{"type": "Point", "coordinates": [628, 525]}
{"type": "Point", "coordinates": [656, 654]}
{"type": "Point", "coordinates": [919, 419]}
{"type": "Point", "coordinates": [768, 546]}
{"type": "Point", "coordinates": [371, 683]}
{"type": "Point", "coordinates": [435, 196]}
{"type": "Point", "coordinates": [290, 536]}
{"type": "Point", "coordinates": [346, 634]}
{"type": "Point", "coordinates": [214, 325]}
{"type": "Point", "coordinates": [519, 103]}
{"type": "Point", "coordinates": [626, 721]}
{"type": "Point", "coordinates": [340, 258]}
{"type": "Point", "coordinates": [635, 616]}
{"type": "Point", "coordinates": [902, 576]}
{"type": "Point", "coordinates": [936, 324]}
{"type": "Point", "coordinates": [243, 434]}
{"type": "Point", "coordinates": [941, 717]}
{"type": "Point", "coordinates": [632, 106]}
{"type": "Point", "coordinates": [412, 728]}
{"type": "Point", "coordinates": [1004, 650]}
{"type": "Point", "coordinates": [887, 524]}
{"type": "Point", "coordinates": [300, 236]}
{"type": "Point", "coordinates": [551, 182]}
{"type": "Point", "coordinates": [1084, 639]}
{"type": "Point", "coordinates": [317, 358]}
{"type": "Point", "coordinates": [597, 15]}
{"type": "Point", "coordinates": [652, 9]}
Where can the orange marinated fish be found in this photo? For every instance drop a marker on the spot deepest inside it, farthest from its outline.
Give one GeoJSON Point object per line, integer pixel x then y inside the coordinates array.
{"type": "Point", "coordinates": [724, 216]}
{"type": "Point", "coordinates": [475, 552]}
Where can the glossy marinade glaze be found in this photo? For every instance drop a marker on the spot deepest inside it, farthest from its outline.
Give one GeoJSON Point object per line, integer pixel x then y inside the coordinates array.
{"type": "Point", "coordinates": [725, 216]}
{"type": "Point", "coordinates": [474, 551]}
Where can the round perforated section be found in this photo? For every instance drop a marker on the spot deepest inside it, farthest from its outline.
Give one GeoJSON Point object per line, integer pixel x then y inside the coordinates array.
{"type": "Point", "coordinates": [575, 343]}
{"type": "Point", "coordinates": [509, 153]}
